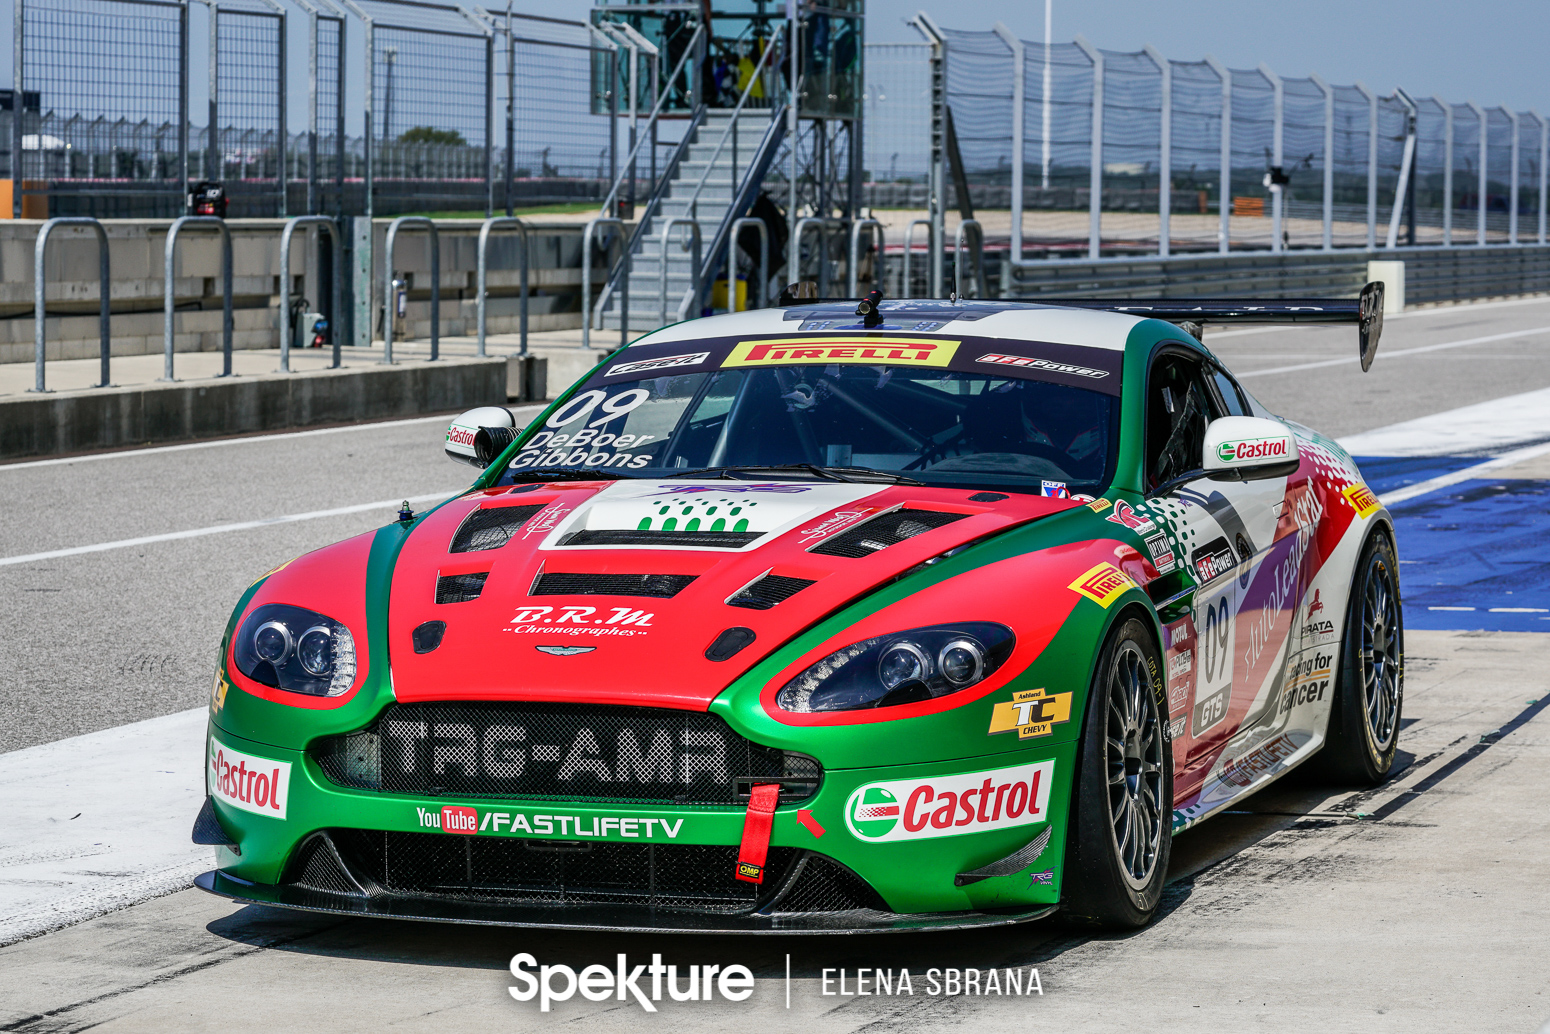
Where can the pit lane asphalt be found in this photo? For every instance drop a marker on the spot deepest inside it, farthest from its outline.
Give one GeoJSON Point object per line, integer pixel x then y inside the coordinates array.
{"type": "Point", "coordinates": [1294, 913]}
{"type": "Point", "coordinates": [101, 639]}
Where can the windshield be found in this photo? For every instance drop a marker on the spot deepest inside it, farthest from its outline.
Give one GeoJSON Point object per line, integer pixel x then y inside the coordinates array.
{"type": "Point", "coordinates": [942, 427]}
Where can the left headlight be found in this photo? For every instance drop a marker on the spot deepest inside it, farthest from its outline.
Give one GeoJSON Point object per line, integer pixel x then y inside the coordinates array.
{"type": "Point", "coordinates": [901, 668]}
{"type": "Point", "coordinates": [297, 650]}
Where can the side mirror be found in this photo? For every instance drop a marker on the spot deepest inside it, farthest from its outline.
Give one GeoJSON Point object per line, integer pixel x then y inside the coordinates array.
{"type": "Point", "coordinates": [1248, 448]}
{"type": "Point", "coordinates": [478, 436]}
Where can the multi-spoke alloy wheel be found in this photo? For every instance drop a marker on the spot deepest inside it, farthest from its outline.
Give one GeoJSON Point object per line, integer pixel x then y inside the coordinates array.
{"type": "Point", "coordinates": [1363, 733]}
{"type": "Point", "coordinates": [1121, 826]}
{"type": "Point", "coordinates": [1134, 756]}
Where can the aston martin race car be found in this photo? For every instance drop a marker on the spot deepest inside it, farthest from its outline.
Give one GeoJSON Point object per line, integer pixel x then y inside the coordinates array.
{"type": "Point", "coordinates": [939, 615]}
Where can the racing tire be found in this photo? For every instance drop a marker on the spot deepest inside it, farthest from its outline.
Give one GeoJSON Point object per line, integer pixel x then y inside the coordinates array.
{"type": "Point", "coordinates": [1121, 826]}
{"type": "Point", "coordinates": [1364, 716]}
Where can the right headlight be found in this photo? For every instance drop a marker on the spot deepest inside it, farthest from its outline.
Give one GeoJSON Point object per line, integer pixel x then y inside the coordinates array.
{"type": "Point", "coordinates": [901, 668]}
{"type": "Point", "coordinates": [297, 650]}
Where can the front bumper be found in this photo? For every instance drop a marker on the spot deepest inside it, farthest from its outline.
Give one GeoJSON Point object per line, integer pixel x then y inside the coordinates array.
{"type": "Point", "coordinates": [600, 918]}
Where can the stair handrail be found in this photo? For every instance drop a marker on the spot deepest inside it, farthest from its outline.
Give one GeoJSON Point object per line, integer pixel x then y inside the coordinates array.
{"type": "Point", "coordinates": [651, 120]}
{"type": "Point", "coordinates": [753, 177]}
{"type": "Point", "coordinates": [753, 80]}
{"type": "Point", "coordinates": [694, 267]}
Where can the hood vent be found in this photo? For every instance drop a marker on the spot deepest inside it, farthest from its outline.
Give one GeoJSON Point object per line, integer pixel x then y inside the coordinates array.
{"type": "Point", "coordinates": [460, 588]}
{"type": "Point", "coordinates": [881, 532]}
{"type": "Point", "coordinates": [645, 537]}
{"type": "Point", "coordinates": [768, 591]}
{"type": "Point", "coordinates": [662, 586]}
{"type": "Point", "coordinates": [491, 527]}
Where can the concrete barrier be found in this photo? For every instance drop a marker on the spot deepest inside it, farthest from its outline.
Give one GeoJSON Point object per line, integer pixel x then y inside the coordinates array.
{"type": "Point", "coordinates": [118, 417]}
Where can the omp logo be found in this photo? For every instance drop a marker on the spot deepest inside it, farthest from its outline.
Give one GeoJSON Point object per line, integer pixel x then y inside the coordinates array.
{"type": "Point", "coordinates": [874, 812]}
{"type": "Point", "coordinates": [1041, 364]}
{"type": "Point", "coordinates": [249, 783]}
{"type": "Point", "coordinates": [1361, 499]}
{"type": "Point", "coordinates": [1103, 584]}
{"type": "Point", "coordinates": [869, 351]}
{"type": "Point", "coordinates": [663, 363]}
{"type": "Point", "coordinates": [456, 819]}
{"type": "Point", "coordinates": [1032, 712]}
{"type": "Point", "coordinates": [1253, 449]}
{"type": "Point", "coordinates": [944, 806]}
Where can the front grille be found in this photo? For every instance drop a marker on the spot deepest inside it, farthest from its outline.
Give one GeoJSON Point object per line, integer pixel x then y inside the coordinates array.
{"type": "Point", "coordinates": [639, 537]}
{"type": "Point", "coordinates": [490, 527]}
{"type": "Point", "coordinates": [460, 588]}
{"type": "Point", "coordinates": [768, 591]}
{"type": "Point", "coordinates": [684, 877]}
{"type": "Point", "coordinates": [662, 586]}
{"type": "Point", "coordinates": [882, 532]}
{"type": "Point", "coordinates": [573, 752]}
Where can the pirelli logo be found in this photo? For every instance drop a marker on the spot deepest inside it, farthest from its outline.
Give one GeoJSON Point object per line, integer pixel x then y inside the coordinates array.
{"type": "Point", "coordinates": [1103, 584]}
{"type": "Point", "coordinates": [862, 351]}
{"type": "Point", "coordinates": [1361, 499]}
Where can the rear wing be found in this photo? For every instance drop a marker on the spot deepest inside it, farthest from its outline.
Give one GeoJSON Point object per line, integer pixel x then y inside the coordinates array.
{"type": "Point", "coordinates": [1366, 311]}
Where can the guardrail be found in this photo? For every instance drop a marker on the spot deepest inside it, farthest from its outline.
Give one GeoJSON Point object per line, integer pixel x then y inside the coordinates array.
{"type": "Point", "coordinates": [502, 222]}
{"type": "Point", "coordinates": [823, 226]}
{"type": "Point", "coordinates": [286, 330]}
{"type": "Point", "coordinates": [905, 285]}
{"type": "Point", "coordinates": [169, 295]}
{"type": "Point", "coordinates": [419, 222]}
{"type": "Point", "coordinates": [589, 312]}
{"type": "Point", "coordinates": [979, 258]}
{"type": "Point", "coordinates": [694, 270]}
{"type": "Point", "coordinates": [853, 279]}
{"type": "Point", "coordinates": [764, 261]}
{"type": "Point", "coordinates": [39, 287]}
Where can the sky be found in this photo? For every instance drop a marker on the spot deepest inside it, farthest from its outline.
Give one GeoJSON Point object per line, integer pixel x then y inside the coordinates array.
{"type": "Point", "coordinates": [1489, 51]}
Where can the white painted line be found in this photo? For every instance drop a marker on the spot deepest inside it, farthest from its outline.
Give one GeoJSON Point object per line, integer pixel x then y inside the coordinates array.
{"type": "Point", "coordinates": [98, 822]}
{"type": "Point", "coordinates": [221, 529]}
{"type": "Point", "coordinates": [1396, 355]}
{"type": "Point", "coordinates": [1506, 459]}
{"type": "Point", "coordinates": [244, 440]}
{"type": "Point", "coordinates": [1483, 428]}
{"type": "Point", "coordinates": [1520, 610]}
{"type": "Point", "coordinates": [1450, 608]}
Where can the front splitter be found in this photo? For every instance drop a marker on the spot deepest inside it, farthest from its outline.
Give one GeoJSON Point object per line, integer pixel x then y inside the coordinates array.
{"type": "Point", "coordinates": [615, 918]}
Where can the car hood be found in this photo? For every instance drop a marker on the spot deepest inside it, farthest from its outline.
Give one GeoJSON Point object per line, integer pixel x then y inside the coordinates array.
{"type": "Point", "coordinates": [623, 592]}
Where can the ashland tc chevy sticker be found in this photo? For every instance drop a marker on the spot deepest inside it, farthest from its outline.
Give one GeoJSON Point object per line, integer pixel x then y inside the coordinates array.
{"type": "Point", "coordinates": [863, 350]}
{"type": "Point", "coordinates": [1361, 499]}
{"type": "Point", "coordinates": [1103, 584]}
{"type": "Point", "coordinates": [1032, 712]}
{"type": "Point", "coordinates": [945, 806]}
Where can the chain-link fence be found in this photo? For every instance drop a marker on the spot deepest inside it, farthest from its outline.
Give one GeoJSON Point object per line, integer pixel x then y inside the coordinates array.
{"type": "Point", "coordinates": [1135, 153]}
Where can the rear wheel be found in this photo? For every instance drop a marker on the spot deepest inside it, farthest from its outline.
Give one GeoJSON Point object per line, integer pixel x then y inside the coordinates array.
{"type": "Point", "coordinates": [1370, 688]}
{"type": "Point", "coordinates": [1122, 820]}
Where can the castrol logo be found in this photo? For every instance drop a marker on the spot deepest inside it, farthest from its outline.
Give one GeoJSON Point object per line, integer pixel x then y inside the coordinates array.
{"type": "Point", "coordinates": [1254, 449]}
{"type": "Point", "coordinates": [457, 435]}
{"type": "Point", "coordinates": [945, 806]}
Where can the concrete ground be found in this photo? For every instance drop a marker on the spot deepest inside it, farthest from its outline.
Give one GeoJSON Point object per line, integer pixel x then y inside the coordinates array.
{"type": "Point", "coordinates": [1419, 906]}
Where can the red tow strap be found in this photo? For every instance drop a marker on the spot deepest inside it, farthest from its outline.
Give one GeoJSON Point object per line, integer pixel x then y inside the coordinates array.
{"type": "Point", "coordinates": [756, 832]}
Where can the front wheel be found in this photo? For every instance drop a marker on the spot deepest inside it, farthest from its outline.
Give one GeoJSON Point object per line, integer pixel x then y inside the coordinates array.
{"type": "Point", "coordinates": [1370, 685]}
{"type": "Point", "coordinates": [1122, 819]}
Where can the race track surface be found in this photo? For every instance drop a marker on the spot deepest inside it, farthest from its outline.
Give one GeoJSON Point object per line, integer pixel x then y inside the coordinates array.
{"type": "Point", "coordinates": [1418, 906]}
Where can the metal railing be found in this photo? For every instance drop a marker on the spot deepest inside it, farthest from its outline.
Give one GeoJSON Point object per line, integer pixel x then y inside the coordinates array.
{"type": "Point", "coordinates": [418, 222]}
{"type": "Point", "coordinates": [823, 226]}
{"type": "Point", "coordinates": [286, 330]}
{"type": "Point", "coordinates": [503, 222]}
{"type": "Point", "coordinates": [853, 279]}
{"type": "Point", "coordinates": [731, 130]}
{"type": "Point", "coordinates": [651, 123]}
{"type": "Point", "coordinates": [906, 285]}
{"type": "Point", "coordinates": [589, 312]}
{"type": "Point", "coordinates": [979, 258]}
{"type": "Point", "coordinates": [169, 296]}
{"type": "Point", "coordinates": [40, 283]}
{"type": "Point", "coordinates": [694, 269]}
{"type": "Point", "coordinates": [764, 261]}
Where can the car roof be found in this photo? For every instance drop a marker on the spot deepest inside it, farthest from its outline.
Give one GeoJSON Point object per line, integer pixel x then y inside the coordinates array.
{"type": "Point", "coordinates": [1025, 321]}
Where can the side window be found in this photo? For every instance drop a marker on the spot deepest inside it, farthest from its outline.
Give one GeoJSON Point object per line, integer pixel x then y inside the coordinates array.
{"type": "Point", "coordinates": [1227, 388]}
{"type": "Point", "coordinates": [1178, 407]}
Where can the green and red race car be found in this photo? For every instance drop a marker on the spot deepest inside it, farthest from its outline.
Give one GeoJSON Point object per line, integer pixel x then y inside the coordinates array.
{"type": "Point", "coordinates": [950, 614]}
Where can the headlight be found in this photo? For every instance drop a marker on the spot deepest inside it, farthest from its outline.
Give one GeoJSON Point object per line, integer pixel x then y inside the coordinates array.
{"type": "Point", "coordinates": [297, 650]}
{"type": "Point", "coordinates": [901, 668]}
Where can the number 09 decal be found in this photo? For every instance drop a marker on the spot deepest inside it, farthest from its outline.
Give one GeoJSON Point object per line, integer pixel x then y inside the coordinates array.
{"type": "Point", "coordinates": [612, 407]}
{"type": "Point", "coordinates": [1213, 692]}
